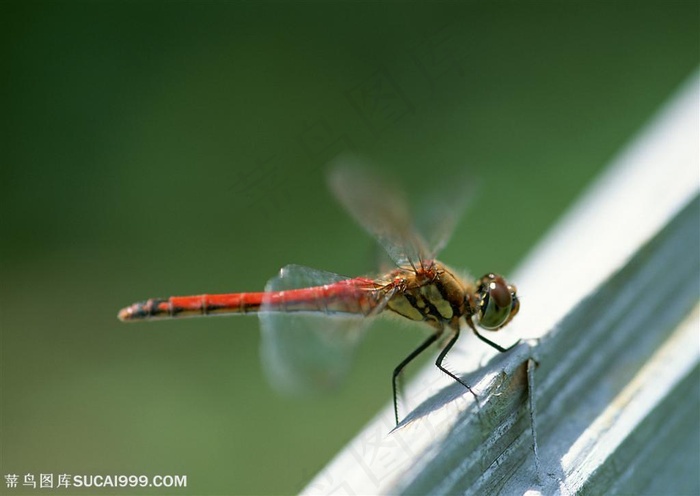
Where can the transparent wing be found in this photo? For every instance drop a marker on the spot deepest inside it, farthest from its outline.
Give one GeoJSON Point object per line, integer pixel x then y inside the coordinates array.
{"type": "Point", "coordinates": [441, 209]}
{"type": "Point", "coordinates": [382, 209]}
{"type": "Point", "coordinates": [308, 351]}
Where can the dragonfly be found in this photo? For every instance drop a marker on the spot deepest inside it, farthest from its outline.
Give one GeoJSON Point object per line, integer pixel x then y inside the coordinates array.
{"type": "Point", "coordinates": [312, 321]}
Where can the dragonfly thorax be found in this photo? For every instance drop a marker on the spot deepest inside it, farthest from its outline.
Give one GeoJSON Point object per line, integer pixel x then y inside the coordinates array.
{"type": "Point", "coordinates": [433, 294]}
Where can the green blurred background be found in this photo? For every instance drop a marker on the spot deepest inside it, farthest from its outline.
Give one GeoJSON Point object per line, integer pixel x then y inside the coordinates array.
{"type": "Point", "coordinates": [152, 149]}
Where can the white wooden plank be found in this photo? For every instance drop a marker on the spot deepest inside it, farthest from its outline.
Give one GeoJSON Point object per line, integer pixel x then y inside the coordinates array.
{"type": "Point", "coordinates": [605, 293]}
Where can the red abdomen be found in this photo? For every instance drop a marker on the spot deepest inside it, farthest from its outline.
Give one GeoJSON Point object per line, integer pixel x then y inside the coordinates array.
{"type": "Point", "coordinates": [353, 296]}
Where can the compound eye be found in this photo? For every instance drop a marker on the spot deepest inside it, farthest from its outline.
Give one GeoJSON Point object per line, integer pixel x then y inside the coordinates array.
{"type": "Point", "coordinates": [497, 300]}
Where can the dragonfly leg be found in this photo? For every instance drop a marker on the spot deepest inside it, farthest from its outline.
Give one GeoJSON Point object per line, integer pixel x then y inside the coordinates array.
{"type": "Point", "coordinates": [399, 368]}
{"type": "Point", "coordinates": [441, 357]}
{"type": "Point", "coordinates": [489, 342]}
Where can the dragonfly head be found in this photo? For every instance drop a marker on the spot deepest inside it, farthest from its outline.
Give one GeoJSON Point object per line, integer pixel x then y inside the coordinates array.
{"type": "Point", "coordinates": [497, 302]}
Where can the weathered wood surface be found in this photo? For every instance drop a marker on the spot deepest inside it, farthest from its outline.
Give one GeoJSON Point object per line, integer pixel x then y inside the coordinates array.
{"type": "Point", "coordinates": [610, 313]}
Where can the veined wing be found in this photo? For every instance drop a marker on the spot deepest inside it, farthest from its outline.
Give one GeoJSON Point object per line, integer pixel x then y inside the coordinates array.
{"type": "Point", "coordinates": [312, 350]}
{"type": "Point", "coordinates": [441, 209]}
{"type": "Point", "coordinates": [381, 208]}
